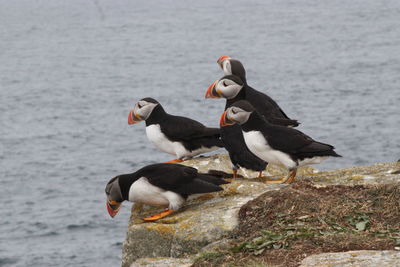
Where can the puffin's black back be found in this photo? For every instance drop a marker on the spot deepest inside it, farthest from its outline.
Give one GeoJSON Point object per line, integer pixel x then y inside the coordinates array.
{"type": "Point", "coordinates": [288, 140]}
{"type": "Point", "coordinates": [191, 133]}
{"type": "Point", "coordinates": [267, 107]}
{"type": "Point", "coordinates": [183, 180]}
{"type": "Point", "coordinates": [264, 104]}
{"type": "Point", "coordinates": [173, 177]}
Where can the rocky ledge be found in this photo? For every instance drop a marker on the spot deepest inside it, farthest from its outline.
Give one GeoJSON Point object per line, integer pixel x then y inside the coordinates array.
{"type": "Point", "coordinates": [209, 218]}
{"type": "Point", "coordinates": [359, 258]}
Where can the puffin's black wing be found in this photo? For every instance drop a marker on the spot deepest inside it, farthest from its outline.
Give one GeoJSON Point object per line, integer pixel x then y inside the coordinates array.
{"type": "Point", "coordinates": [294, 142]}
{"type": "Point", "coordinates": [178, 128]}
{"type": "Point", "coordinates": [267, 107]}
{"type": "Point", "coordinates": [181, 179]}
{"type": "Point", "coordinates": [197, 186]}
{"type": "Point", "coordinates": [166, 175]}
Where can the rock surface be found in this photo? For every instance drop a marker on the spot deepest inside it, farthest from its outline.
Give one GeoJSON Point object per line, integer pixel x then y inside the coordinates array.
{"type": "Point", "coordinates": [162, 262]}
{"type": "Point", "coordinates": [359, 258]}
{"type": "Point", "coordinates": [211, 217]}
{"type": "Point", "coordinates": [381, 173]}
{"type": "Point", "coordinates": [203, 220]}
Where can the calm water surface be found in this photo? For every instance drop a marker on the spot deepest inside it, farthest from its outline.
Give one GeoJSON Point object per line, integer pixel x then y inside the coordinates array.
{"type": "Point", "coordinates": [71, 70]}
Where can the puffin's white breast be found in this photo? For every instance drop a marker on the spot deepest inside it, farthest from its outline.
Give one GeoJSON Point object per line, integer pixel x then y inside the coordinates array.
{"type": "Point", "coordinates": [142, 191]}
{"type": "Point", "coordinates": [257, 144]}
{"type": "Point", "coordinates": [159, 139]}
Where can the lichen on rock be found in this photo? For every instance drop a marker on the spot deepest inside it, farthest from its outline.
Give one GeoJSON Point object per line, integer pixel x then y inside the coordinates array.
{"type": "Point", "coordinates": [162, 262]}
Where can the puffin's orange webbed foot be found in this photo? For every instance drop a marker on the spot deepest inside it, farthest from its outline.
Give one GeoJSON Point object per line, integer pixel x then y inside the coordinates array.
{"type": "Point", "coordinates": [158, 216]}
{"type": "Point", "coordinates": [285, 180]}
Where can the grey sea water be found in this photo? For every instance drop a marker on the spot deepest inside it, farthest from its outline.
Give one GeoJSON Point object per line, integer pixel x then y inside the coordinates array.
{"type": "Point", "coordinates": [71, 70]}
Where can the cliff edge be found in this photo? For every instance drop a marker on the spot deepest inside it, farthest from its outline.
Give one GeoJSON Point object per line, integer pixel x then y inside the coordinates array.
{"type": "Point", "coordinates": [210, 224]}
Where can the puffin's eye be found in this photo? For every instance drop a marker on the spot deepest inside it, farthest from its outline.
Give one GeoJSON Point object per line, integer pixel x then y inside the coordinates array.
{"type": "Point", "coordinates": [233, 111]}
{"type": "Point", "coordinates": [139, 106]}
{"type": "Point", "coordinates": [224, 83]}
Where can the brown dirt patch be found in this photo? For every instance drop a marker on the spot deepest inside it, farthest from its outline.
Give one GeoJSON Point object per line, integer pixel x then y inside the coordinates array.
{"type": "Point", "coordinates": [280, 228]}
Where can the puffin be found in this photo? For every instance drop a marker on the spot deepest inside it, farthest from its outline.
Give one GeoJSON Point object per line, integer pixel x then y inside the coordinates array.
{"type": "Point", "coordinates": [233, 86]}
{"type": "Point", "coordinates": [161, 184]}
{"type": "Point", "coordinates": [179, 136]}
{"type": "Point", "coordinates": [276, 144]}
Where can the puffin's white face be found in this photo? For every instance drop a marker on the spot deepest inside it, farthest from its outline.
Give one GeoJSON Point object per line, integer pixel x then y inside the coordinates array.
{"type": "Point", "coordinates": [228, 88]}
{"type": "Point", "coordinates": [234, 115]}
{"type": "Point", "coordinates": [226, 67]}
{"type": "Point", "coordinates": [238, 115]}
{"type": "Point", "coordinates": [225, 64]}
{"type": "Point", "coordinates": [141, 111]}
{"type": "Point", "coordinates": [144, 108]}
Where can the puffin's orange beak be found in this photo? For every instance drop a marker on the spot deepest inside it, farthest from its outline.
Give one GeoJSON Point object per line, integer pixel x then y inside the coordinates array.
{"type": "Point", "coordinates": [221, 59]}
{"type": "Point", "coordinates": [113, 207]}
{"type": "Point", "coordinates": [224, 121]}
{"type": "Point", "coordinates": [133, 117]}
{"type": "Point", "coordinates": [211, 92]}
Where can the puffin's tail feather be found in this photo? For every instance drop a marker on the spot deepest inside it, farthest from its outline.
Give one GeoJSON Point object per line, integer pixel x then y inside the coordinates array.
{"type": "Point", "coordinates": [285, 122]}
{"type": "Point", "coordinates": [222, 174]}
{"type": "Point", "coordinates": [318, 149]}
{"type": "Point", "coordinates": [211, 179]}
{"type": "Point", "coordinates": [198, 186]}
{"type": "Point", "coordinates": [218, 173]}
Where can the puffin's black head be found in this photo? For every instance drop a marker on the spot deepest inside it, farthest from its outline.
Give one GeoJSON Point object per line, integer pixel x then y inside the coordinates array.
{"type": "Point", "coordinates": [114, 196]}
{"type": "Point", "coordinates": [142, 110]}
{"type": "Point", "coordinates": [227, 87]}
{"type": "Point", "coordinates": [150, 100]}
{"type": "Point", "coordinates": [232, 66]}
{"type": "Point", "coordinates": [239, 112]}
